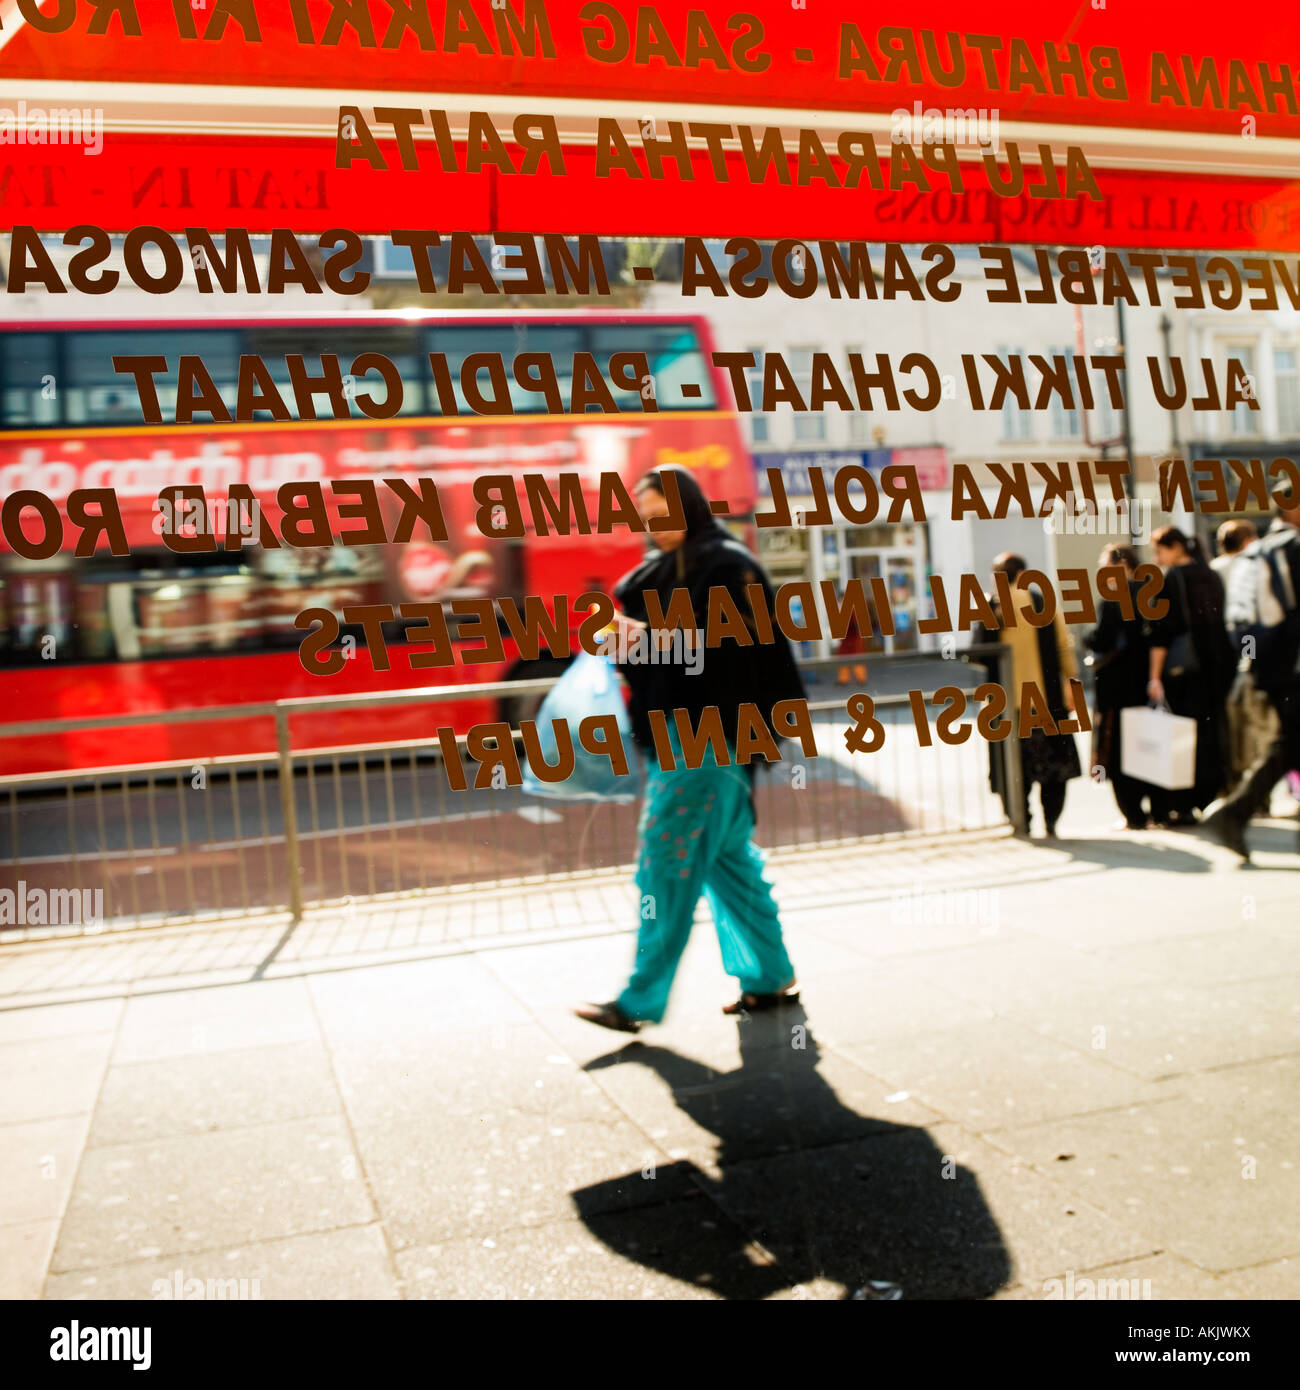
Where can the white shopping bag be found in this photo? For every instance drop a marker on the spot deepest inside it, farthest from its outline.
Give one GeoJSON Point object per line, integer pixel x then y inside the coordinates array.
{"type": "Point", "coordinates": [1158, 746]}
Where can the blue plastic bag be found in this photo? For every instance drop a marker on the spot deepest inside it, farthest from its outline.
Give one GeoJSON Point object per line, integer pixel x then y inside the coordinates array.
{"type": "Point", "coordinates": [589, 687]}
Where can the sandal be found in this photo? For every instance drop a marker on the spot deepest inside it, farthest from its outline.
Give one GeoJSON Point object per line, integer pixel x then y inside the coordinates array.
{"type": "Point", "coordinates": [756, 1003]}
{"type": "Point", "coordinates": [608, 1016]}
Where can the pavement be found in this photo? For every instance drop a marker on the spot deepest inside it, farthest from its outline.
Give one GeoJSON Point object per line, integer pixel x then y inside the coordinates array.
{"type": "Point", "coordinates": [1020, 1069]}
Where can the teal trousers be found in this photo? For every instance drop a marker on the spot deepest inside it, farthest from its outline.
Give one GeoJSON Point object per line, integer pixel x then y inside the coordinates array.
{"type": "Point", "coordinates": [695, 835]}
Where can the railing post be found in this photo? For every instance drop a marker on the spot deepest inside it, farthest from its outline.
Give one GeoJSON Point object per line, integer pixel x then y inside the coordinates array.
{"type": "Point", "coordinates": [1014, 780]}
{"type": "Point", "coordinates": [289, 810]}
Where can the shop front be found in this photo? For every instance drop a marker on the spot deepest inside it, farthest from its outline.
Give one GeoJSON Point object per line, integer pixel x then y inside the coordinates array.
{"type": "Point", "coordinates": [1207, 518]}
{"type": "Point", "coordinates": [898, 554]}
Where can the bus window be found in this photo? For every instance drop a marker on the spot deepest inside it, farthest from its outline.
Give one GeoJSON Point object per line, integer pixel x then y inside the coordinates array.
{"type": "Point", "coordinates": [397, 342]}
{"type": "Point", "coordinates": [36, 612]}
{"type": "Point", "coordinates": [98, 395]}
{"type": "Point", "coordinates": [154, 604]}
{"type": "Point", "coordinates": [29, 390]}
{"type": "Point", "coordinates": [458, 341]}
{"type": "Point", "coordinates": [673, 352]}
{"type": "Point", "coordinates": [288, 581]}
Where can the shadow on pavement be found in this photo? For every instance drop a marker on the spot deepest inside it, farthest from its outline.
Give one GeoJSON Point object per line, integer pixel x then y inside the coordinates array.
{"type": "Point", "coordinates": [831, 1194]}
{"type": "Point", "coordinates": [1273, 838]}
{"type": "Point", "coordinates": [1139, 852]}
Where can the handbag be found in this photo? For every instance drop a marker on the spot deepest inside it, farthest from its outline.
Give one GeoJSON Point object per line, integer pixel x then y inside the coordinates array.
{"type": "Point", "coordinates": [1158, 747]}
{"type": "Point", "coordinates": [1182, 659]}
{"type": "Point", "coordinates": [590, 686]}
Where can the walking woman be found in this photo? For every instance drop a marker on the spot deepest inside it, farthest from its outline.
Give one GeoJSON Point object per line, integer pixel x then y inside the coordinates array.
{"type": "Point", "coordinates": [696, 826]}
{"type": "Point", "coordinates": [1044, 656]}
{"type": "Point", "coordinates": [1118, 657]}
{"type": "Point", "coordinates": [1190, 669]}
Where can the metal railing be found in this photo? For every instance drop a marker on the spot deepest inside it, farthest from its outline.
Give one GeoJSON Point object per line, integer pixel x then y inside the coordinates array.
{"type": "Point", "coordinates": [309, 827]}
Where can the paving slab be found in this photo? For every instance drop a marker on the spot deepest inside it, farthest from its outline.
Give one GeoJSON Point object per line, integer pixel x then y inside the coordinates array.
{"type": "Point", "coordinates": [1011, 975]}
{"type": "Point", "coordinates": [883, 1000]}
{"type": "Point", "coordinates": [994, 1073]}
{"type": "Point", "coordinates": [1119, 907]}
{"type": "Point", "coordinates": [1163, 1029]}
{"type": "Point", "coordinates": [1152, 1279]}
{"type": "Point", "coordinates": [934, 1211]}
{"type": "Point", "coordinates": [185, 1022]}
{"type": "Point", "coordinates": [25, 1249]}
{"type": "Point", "coordinates": [169, 1196]}
{"type": "Point", "coordinates": [209, 1091]}
{"type": "Point", "coordinates": [46, 1077]}
{"type": "Point", "coordinates": [1243, 951]}
{"type": "Point", "coordinates": [38, 1162]}
{"type": "Point", "coordinates": [439, 1179]}
{"type": "Point", "coordinates": [1278, 995]}
{"type": "Point", "coordinates": [1261, 1097]}
{"type": "Point", "coordinates": [919, 919]}
{"type": "Point", "coordinates": [415, 1001]}
{"type": "Point", "coordinates": [1184, 1172]}
{"type": "Point", "coordinates": [353, 1263]}
{"type": "Point", "coordinates": [683, 1249]}
{"type": "Point", "coordinates": [511, 1069]}
{"type": "Point", "coordinates": [25, 1024]}
{"type": "Point", "coordinates": [1276, 1279]}
{"type": "Point", "coordinates": [778, 1100]}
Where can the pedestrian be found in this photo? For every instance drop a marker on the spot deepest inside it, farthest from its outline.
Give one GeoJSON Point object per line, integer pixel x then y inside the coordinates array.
{"type": "Point", "coordinates": [852, 644]}
{"type": "Point", "coordinates": [1118, 657]}
{"type": "Point", "coordinates": [1232, 539]}
{"type": "Point", "coordinates": [1190, 668]}
{"type": "Point", "coordinates": [1043, 656]}
{"type": "Point", "coordinates": [1271, 619]}
{"type": "Point", "coordinates": [696, 825]}
{"type": "Point", "coordinates": [1252, 720]}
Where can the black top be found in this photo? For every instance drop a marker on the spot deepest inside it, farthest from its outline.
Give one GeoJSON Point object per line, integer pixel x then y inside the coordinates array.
{"type": "Point", "coordinates": [1121, 647]}
{"type": "Point", "coordinates": [732, 674]}
{"type": "Point", "coordinates": [1194, 594]}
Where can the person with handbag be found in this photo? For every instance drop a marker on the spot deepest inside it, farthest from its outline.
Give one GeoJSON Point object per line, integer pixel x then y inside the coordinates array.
{"type": "Point", "coordinates": [1267, 612]}
{"type": "Point", "coordinates": [1117, 654]}
{"type": "Point", "coordinates": [696, 827]}
{"type": "Point", "coordinates": [1044, 657]}
{"type": "Point", "coordinates": [1190, 669]}
{"type": "Point", "coordinates": [1252, 720]}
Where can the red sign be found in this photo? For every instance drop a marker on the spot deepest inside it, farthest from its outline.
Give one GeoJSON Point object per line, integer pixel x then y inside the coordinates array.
{"type": "Point", "coordinates": [424, 570]}
{"type": "Point", "coordinates": [931, 467]}
{"type": "Point", "coordinates": [1190, 124]}
{"type": "Point", "coordinates": [138, 464]}
{"type": "Point", "coordinates": [261, 185]}
{"type": "Point", "coordinates": [1070, 62]}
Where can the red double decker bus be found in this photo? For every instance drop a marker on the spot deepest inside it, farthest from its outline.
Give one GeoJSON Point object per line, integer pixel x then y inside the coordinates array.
{"type": "Point", "coordinates": [154, 630]}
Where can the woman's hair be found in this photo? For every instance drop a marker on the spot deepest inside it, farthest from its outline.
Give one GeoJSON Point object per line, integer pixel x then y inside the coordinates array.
{"type": "Point", "coordinates": [1120, 555]}
{"type": "Point", "coordinates": [1172, 538]}
{"type": "Point", "coordinates": [1232, 536]}
{"type": "Point", "coordinates": [1010, 564]}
